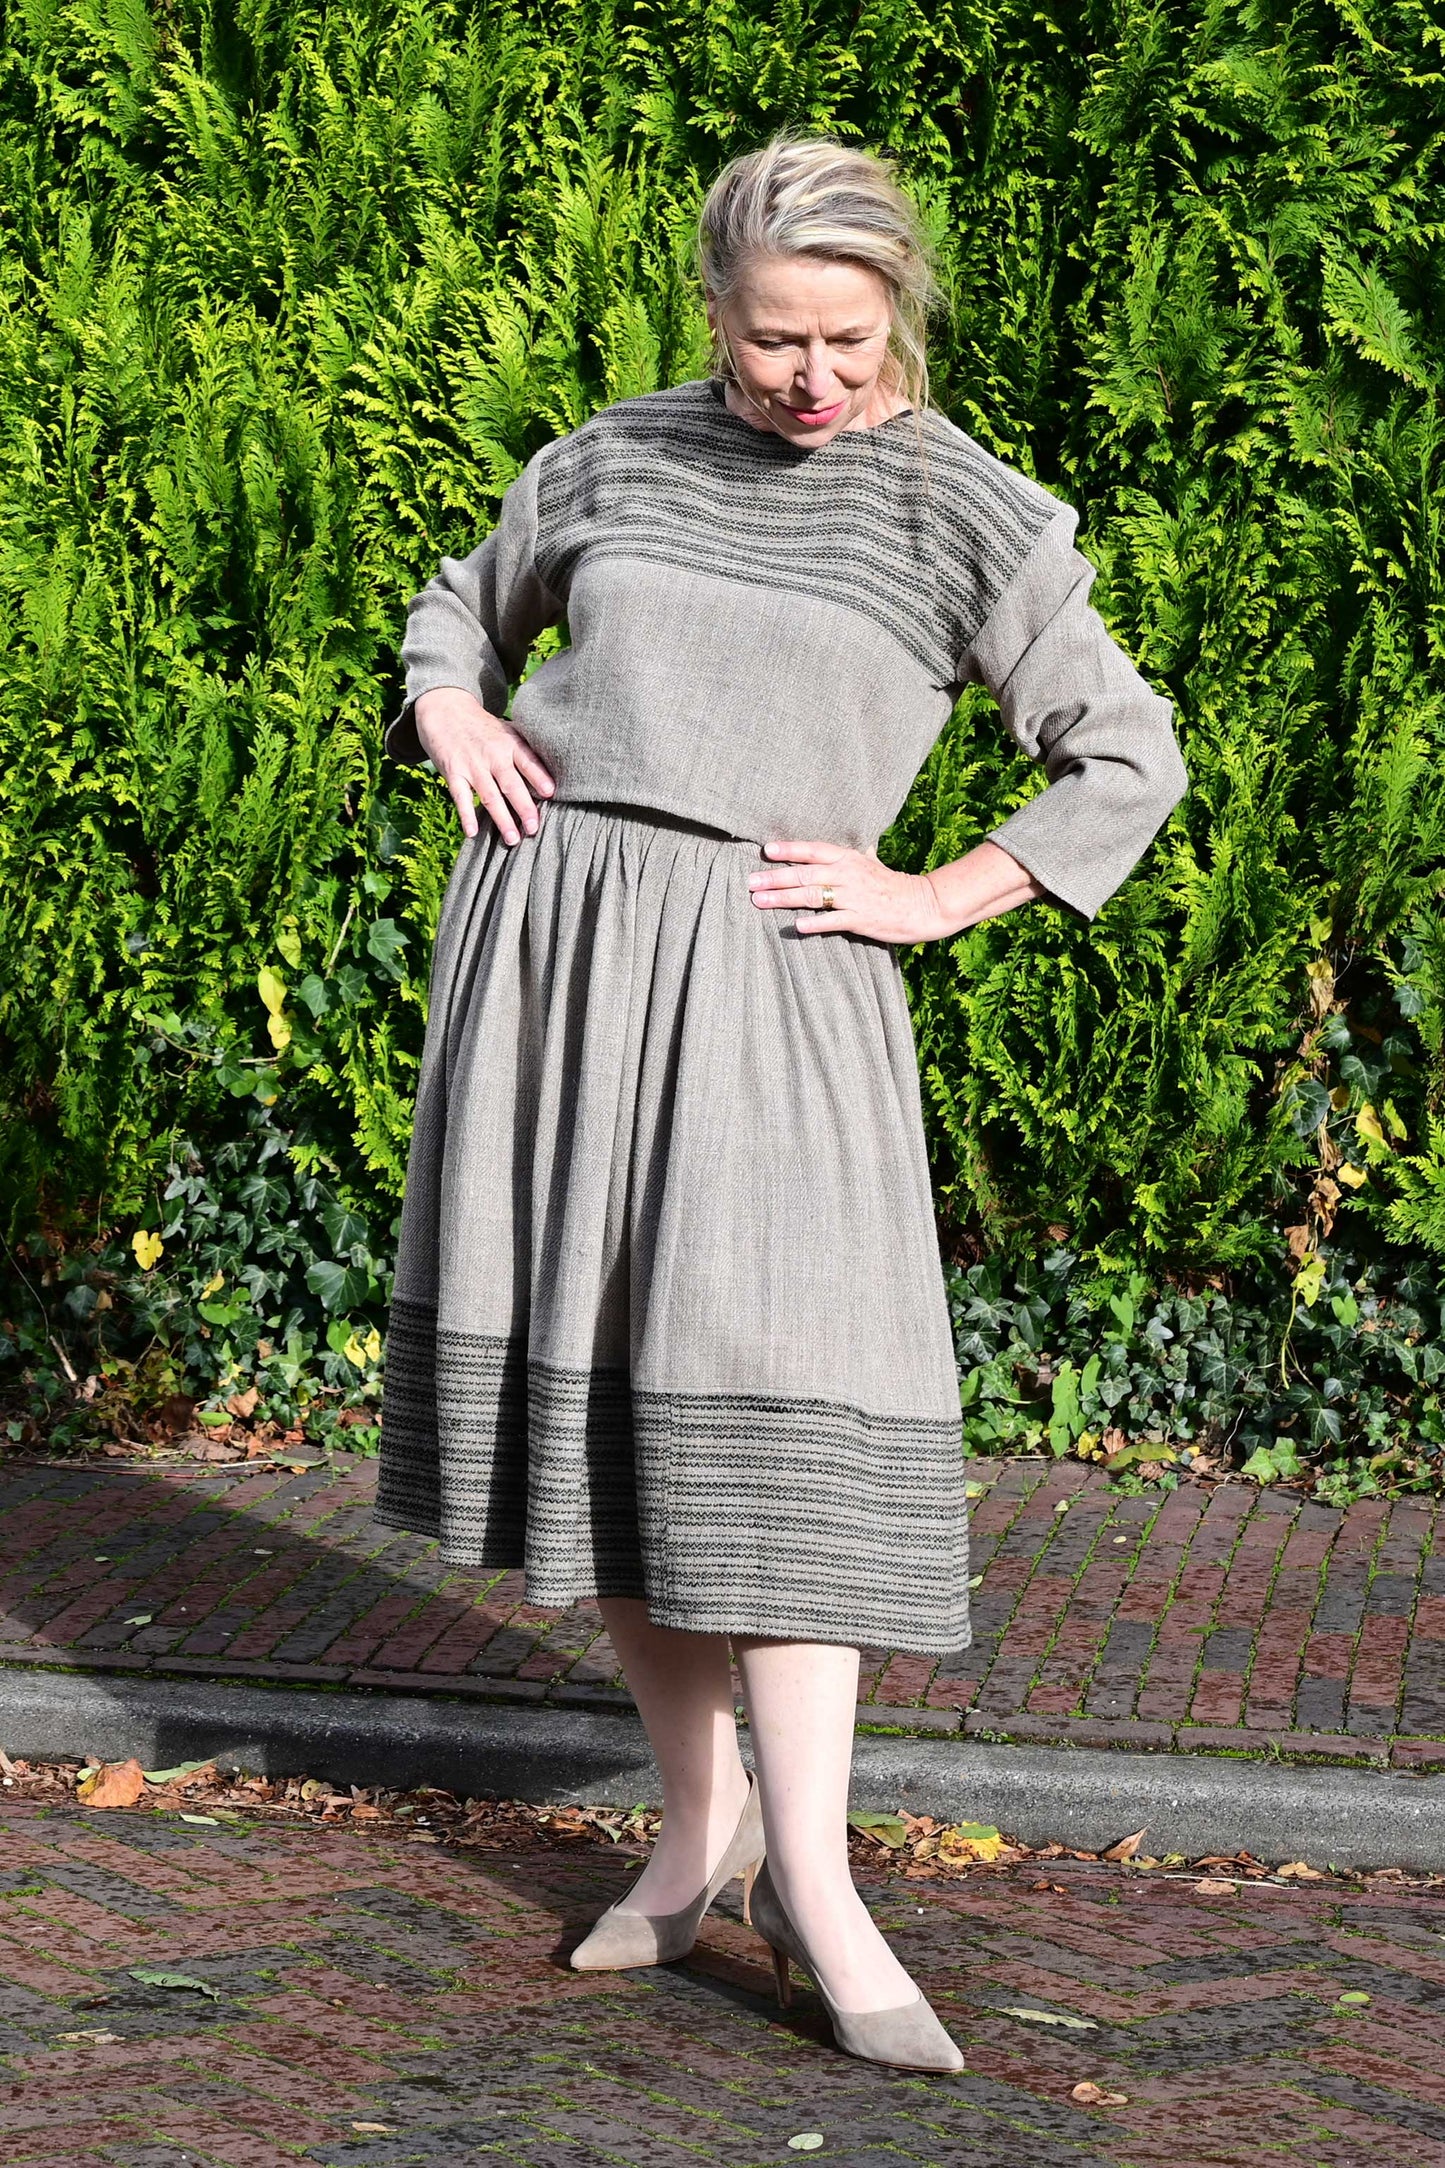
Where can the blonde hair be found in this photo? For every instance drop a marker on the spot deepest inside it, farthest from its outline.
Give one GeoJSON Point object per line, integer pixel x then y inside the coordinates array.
{"type": "Point", "coordinates": [810, 196]}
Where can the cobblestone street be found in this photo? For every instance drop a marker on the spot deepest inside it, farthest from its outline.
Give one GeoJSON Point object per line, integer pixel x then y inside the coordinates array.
{"type": "Point", "coordinates": [382, 1999]}
{"type": "Point", "coordinates": [1213, 1618]}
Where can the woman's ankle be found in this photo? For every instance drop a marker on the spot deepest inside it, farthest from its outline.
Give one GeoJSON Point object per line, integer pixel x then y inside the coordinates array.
{"type": "Point", "coordinates": [692, 1840]}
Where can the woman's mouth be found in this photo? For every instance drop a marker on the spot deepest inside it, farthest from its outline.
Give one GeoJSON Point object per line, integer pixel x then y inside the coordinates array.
{"type": "Point", "coordinates": [814, 417]}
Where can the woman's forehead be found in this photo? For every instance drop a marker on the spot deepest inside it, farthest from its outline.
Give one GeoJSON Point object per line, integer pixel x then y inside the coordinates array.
{"type": "Point", "coordinates": [810, 293]}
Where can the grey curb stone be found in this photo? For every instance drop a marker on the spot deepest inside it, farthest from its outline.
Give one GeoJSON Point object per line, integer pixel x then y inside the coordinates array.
{"type": "Point", "coordinates": [1078, 1796]}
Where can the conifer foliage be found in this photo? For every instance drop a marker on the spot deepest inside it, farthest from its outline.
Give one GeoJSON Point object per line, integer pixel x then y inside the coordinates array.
{"type": "Point", "coordinates": [291, 291]}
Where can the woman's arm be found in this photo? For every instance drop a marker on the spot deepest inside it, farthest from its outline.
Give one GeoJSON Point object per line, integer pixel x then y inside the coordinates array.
{"type": "Point", "coordinates": [467, 638]}
{"type": "Point", "coordinates": [1071, 698]}
{"type": "Point", "coordinates": [872, 899]}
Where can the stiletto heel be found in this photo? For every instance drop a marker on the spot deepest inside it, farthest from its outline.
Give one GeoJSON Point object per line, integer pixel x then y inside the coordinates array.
{"type": "Point", "coordinates": [750, 1875]}
{"type": "Point", "coordinates": [622, 1939]}
{"type": "Point", "coordinates": [782, 1977]}
{"type": "Point", "coordinates": [907, 2037]}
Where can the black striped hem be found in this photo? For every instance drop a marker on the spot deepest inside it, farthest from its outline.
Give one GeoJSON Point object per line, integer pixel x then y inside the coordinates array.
{"type": "Point", "coordinates": [740, 1513]}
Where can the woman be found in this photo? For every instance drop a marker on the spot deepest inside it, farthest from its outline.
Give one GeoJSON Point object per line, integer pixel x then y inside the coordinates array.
{"type": "Point", "coordinates": [669, 1323]}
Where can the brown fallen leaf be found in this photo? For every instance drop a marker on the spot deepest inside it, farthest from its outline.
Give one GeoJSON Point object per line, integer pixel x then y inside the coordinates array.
{"type": "Point", "coordinates": [243, 1404]}
{"type": "Point", "coordinates": [1211, 1888]}
{"type": "Point", "coordinates": [1299, 1872]}
{"type": "Point", "coordinates": [371, 2126]}
{"type": "Point", "coordinates": [1127, 1846]}
{"type": "Point", "coordinates": [113, 1784]}
{"type": "Point", "coordinates": [1090, 2095]}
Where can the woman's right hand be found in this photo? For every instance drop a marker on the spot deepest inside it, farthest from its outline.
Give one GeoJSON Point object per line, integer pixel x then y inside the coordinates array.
{"type": "Point", "coordinates": [482, 757]}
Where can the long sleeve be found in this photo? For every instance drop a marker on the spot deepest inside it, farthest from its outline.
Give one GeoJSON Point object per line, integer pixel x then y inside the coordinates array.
{"type": "Point", "coordinates": [1071, 698]}
{"type": "Point", "coordinates": [472, 625]}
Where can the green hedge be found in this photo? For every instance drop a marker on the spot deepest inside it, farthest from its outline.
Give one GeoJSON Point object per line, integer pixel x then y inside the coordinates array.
{"type": "Point", "coordinates": [290, 293]}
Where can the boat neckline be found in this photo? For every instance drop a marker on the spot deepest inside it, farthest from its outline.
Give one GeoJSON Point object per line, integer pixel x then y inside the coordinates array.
{"type": "Point", "coordinates": [716, 387]}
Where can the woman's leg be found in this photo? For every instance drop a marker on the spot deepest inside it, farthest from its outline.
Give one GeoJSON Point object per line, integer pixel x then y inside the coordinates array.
{"type": "Point", "coordinates": [801, 1697]}
{"type": "Point", "coordinates": [682, 1684]}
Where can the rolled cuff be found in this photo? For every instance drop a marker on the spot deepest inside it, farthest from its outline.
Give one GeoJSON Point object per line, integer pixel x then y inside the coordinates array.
{"type": "Point", "coordinates": [399, 739]}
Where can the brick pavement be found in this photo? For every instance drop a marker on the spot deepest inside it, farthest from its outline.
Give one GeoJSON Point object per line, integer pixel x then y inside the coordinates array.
{"type": "Point", "coordinates": [1211, 1618]}
{"type": "Point", "coordinates": [383, 2000]}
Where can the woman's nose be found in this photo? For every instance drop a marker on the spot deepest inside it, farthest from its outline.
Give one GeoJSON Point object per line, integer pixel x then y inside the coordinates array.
{"type": "Point", "coordinates": [816, 376]}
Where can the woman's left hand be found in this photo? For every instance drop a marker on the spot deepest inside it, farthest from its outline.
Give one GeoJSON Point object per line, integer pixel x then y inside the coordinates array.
{"type": "Point", "coordinates": [867, 897]}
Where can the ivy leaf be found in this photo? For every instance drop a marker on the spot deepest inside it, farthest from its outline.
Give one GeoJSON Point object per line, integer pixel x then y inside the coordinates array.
{"type": "Point", "coordinates": [883, 1828]}
{"type": "Point", "coordinates": [338, 1287]}
{"type": "Point", "coordinates": [385, 941]}
{"type": "Point", "coordinates": [1054, 2017]}
{"type": "Point", "coordinates": [153, 1976]}
{"type": "Point", "coordinates": [343, 1226]}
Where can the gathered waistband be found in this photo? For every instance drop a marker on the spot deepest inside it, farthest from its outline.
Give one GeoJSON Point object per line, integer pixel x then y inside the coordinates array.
{"type": "Point", "coordinates": [652, 817]}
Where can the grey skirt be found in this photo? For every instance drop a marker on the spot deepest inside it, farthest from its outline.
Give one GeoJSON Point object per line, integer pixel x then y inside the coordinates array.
{"type": "Point", "coordinates": [669, 1319]}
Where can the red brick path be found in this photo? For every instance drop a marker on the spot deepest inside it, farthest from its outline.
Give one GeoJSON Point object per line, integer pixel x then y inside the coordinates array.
{"type": "Point", "coordinates": [1206, 1618]}
{"type": "Point", "coordinates": [386, 1981]}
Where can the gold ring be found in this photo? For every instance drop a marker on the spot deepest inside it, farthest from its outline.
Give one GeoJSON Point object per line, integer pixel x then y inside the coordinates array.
{"type": "Point", "coordinates": [828, 902]}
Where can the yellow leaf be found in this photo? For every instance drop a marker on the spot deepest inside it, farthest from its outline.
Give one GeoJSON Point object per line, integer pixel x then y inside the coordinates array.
{"type": "Point", "coordinates": [289, 943]}
{"type": "Point", "coordinates": [372, 1346]}
{"type": "Point", "coordinates": [148, 1248]}
{"type": "Point", "coordinates": [279, 1031]}
{"type": "Point", "coordinates": [271, 987]}
{"type": "Point", "coordinates": [1367, 1121]}
{"type": "Point", "coordinates": [1322, 984]}
{"type": "Point", "coordinates": [1352, 1177]}
{"type": "Point", "coordinates": [355, 1352]}
{"type": "Point", "coordinates": [1395, 1119]}
{"type": "Point", "coordinates": [970, 1840]}
{"type": "Point", "coordinates": [215, 1282]}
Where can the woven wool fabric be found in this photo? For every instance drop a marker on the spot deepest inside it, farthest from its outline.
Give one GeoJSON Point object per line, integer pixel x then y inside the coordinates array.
{"type": "Point", "coordinates": [669, 1318]}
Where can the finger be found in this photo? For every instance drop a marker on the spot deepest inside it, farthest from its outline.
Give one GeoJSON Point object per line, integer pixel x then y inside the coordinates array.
{"type": "Point", "coordinates": [824, 922]}
{"type": "Point", "coordinates": [782, 878]}
{"type": "Point", "coordinates": [806, 854]}
{"type": "Point", "coordinates": [515, 791]}
{"type": "Point", "coordinates": [534, 769]}
{"type": "Point", "coordinates": [805, 896]}
{"type": "Point", "coordinates": [464, 801]}
{"type": "Point", "coordinates": [499, 810]}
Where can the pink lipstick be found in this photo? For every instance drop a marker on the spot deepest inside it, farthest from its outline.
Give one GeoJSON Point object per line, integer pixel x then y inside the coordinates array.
{"type": "Point", "coordinates": [814, 417]}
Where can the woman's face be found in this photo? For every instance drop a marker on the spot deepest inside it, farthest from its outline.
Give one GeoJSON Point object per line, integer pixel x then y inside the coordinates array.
{"type": "Point", "coordinates": [808, 338]}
